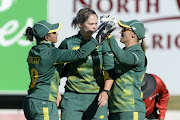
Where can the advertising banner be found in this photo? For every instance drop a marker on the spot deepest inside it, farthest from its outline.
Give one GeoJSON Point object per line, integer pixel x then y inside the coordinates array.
{"type": "Point", "coordinates": [160, 17]}
{"type": "Point", "coordinates": [15, 16]}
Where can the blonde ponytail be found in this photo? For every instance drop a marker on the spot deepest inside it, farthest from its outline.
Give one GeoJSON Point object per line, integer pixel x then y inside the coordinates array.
{"type": "Point", "coordinates": [143, 45]}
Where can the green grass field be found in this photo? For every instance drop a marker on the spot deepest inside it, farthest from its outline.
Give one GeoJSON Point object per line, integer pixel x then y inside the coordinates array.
{"type": "Point", "coordinates": [174, 103]}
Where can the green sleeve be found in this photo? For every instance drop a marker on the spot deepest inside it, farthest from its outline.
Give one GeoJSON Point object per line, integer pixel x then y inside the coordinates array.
{"type": "Point", "coordinates": [62, 55]}
{"type": "Point", "coordinates": [128, 57]}
{"type": "Point", "coordinates": [62, 68]}
{"type": "Point", "coordinates": [108, 57]}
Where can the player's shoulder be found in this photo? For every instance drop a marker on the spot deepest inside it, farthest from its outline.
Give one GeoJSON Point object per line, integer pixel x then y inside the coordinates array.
{"type": "Point", "coordinates": [70, 39]}
{"type": "Point", "coordinates": [135, 48]}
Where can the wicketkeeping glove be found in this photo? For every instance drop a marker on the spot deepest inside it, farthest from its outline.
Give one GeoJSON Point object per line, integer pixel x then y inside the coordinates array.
{"type": "Point", "coordinates": [107, 26]}
{"type": "Point", "coordinates": [104, 18]}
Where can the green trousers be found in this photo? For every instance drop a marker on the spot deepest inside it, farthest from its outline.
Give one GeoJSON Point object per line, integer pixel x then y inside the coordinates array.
{"type": "Point", "coordinates": [35, 109]}
{"type": "Point", "coordinates": [82, 107]}
{"type": "Point", "coordinates": [127, 116]}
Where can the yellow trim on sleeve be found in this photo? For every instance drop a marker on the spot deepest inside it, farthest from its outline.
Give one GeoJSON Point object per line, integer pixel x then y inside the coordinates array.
{"type": "Point", "coordinates": [46, 113]}
{"type": "Point", "coordinates": [109, 36]}
{"type": "Point", "coordinates": [135, 115]}
{"type": "Point", "coordinates": [122, 25]}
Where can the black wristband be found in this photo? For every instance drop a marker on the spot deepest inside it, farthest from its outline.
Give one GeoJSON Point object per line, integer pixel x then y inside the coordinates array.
{"type": "Point", "coordinates": [107, 91]}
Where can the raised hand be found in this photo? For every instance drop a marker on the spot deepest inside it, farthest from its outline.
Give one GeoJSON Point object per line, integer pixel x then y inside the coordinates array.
{"type": "Point", "coordinates": [108, 25]}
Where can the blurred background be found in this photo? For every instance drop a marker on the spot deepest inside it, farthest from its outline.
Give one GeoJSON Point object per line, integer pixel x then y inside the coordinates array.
{"type": "Point", "coordinates": [160, 17]}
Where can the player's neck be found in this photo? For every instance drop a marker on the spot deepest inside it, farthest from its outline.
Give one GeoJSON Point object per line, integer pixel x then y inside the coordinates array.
{"type": "Point", "coordinates": [130, 43]}
{"type": "Point", "coordinates": [85, 36]}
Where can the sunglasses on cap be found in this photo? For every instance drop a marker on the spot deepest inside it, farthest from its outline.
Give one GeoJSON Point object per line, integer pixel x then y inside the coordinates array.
{"type": "Point", "coordinates": [126, 29]}
{"type": "Point", "coordinates": [52, 33]}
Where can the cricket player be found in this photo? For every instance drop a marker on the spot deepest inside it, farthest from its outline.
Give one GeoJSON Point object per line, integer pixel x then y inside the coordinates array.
{"type": "Point", "coordinates": [40, 103]}
{"type": "Point", "coordinates": [86, 94]}
{"type": "Point", "coordinates": [125, 101]}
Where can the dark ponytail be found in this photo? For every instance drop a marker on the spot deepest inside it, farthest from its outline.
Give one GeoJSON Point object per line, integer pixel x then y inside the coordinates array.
{"type": "Point", "coordinates": [74, 22]}
{"type": "Point", "coordinates": [29, 34]}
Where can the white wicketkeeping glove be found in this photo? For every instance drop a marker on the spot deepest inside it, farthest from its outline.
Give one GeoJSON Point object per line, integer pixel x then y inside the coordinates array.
{"type": "Point", "coordinates": [104, 18]}
{"type": "Point", "coordinates": [108, 24]}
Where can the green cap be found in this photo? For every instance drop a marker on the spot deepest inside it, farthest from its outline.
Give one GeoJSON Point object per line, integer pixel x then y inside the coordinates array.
{"type": "Point", "coordinates": [42, 28]}
{"type": "Point", "coordinates": [135, 25]}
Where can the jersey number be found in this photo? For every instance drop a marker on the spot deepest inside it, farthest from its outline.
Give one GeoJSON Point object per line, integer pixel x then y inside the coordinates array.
{"type": "Point", "coordinates": [34, 77]}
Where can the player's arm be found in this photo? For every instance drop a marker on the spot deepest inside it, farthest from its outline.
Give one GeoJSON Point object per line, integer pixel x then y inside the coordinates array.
{"type": "Point", "coordinates": [131, 58]}
{"type": "Point", "coordinates": [108, 57]}
{"type": "Point", "coordinates": [62, 56]}
{"type": "Point", "coordinates": [58, 99]}
{"type": "Point", "coordinates": [108, 63]}
{"type": "Point", "coordinates": [104, 95]}
{"type": "Point", "coordinates": [63, 68]}
{"type": "Point", "coordinates": [97, 38]}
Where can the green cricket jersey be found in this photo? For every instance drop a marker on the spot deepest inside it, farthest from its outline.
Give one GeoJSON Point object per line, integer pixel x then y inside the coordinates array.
{"type": "Point", "coordinates": [86, 75]}
{"type": "Point", "coordinates": [44, 76]}
{"type": "Point", "coordinates": [130, 67]}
